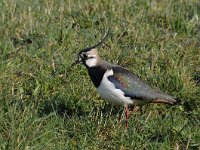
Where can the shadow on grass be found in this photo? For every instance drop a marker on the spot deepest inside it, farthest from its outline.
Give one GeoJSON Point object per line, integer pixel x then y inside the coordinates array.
{"type": "Point", "coordinates": [69, 108]}
{"type": "Point", "coordinates": [62, 108]}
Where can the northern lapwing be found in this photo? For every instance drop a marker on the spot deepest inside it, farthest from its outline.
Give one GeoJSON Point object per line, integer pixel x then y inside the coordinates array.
{"type": "Point", "coordinates": [117, 84]}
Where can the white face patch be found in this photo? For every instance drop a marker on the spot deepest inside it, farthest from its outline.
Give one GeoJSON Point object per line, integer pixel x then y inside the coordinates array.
{"type": "Point", "coordinates": [91, 62]}
{"type": "Point", "coordinates": [90, 58]}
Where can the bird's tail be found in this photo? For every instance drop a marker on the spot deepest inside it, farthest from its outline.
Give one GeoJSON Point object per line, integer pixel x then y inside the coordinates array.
{"type": "Point", "coordinates": [167, 101]}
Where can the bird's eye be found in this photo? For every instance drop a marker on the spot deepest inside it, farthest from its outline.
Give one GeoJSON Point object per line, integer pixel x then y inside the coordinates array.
{"type": "Point", "coordinates": [84, 56]}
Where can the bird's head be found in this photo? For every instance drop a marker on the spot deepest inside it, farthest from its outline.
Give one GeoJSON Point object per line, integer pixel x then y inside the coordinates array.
{"type": "Point", "coordinates": [89, 56]}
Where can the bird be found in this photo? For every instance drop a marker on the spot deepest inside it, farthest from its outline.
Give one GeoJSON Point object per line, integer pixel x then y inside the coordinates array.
{"type": "Point", "coordinates": [117, 84]}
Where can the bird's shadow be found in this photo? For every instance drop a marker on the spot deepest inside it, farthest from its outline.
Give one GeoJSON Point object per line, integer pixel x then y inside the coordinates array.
{"type": "Point", "coordinates": [68, 110]}
{"type": "Point", "coordinates": [61, 108]}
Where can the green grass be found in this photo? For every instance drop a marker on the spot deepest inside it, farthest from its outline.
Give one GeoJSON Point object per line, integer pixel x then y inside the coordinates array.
{"type": "Point", "coordinates": [46, 105]}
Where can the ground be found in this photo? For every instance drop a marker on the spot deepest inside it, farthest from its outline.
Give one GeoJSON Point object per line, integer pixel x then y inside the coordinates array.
{"type": "Point", "coordinates": [45, 104]}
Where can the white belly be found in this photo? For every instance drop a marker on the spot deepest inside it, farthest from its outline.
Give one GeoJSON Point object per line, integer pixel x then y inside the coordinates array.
{"type": "Point", "coordinates": [108, 91]}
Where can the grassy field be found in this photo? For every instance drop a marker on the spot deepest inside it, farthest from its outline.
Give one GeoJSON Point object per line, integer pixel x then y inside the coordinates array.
{"type": "Point", "coordinates": [45, 104]}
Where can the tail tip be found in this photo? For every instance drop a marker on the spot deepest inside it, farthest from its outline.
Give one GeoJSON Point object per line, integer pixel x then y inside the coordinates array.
{"type": "Point", "coordinates": [177, 101]}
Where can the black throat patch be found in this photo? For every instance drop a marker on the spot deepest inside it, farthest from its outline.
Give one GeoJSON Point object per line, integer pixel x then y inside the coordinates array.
{"type": "Point", "coordinates": [96, 74]}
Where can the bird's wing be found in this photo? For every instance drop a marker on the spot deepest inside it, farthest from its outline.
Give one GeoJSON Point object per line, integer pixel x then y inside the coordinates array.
{"type": "Point", "coordinates": [133, 86]}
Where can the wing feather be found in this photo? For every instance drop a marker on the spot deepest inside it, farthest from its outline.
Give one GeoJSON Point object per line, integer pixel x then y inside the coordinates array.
{"type": "Point", "coordinates": [133, 86]}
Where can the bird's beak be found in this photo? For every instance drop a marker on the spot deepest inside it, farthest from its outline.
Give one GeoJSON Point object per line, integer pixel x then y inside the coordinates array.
{"type": "Point", "coordinates": [78, 61]}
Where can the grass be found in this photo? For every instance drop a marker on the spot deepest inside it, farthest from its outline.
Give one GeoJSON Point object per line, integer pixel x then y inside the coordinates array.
{"type": "Point", "coordinates": [46, 105]}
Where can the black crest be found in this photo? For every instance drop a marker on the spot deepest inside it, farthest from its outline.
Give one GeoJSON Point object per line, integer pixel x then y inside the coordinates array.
{"type": "Point", "coordinates": [98, 44]}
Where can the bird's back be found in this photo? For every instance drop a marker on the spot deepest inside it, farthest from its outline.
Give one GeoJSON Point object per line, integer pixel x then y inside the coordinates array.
{"type": "Point", "coordinates": [134, 87]}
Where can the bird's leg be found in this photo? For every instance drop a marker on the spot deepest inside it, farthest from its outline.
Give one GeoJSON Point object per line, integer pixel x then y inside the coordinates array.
{"type": "Point", "coordinates": [127, 115]}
